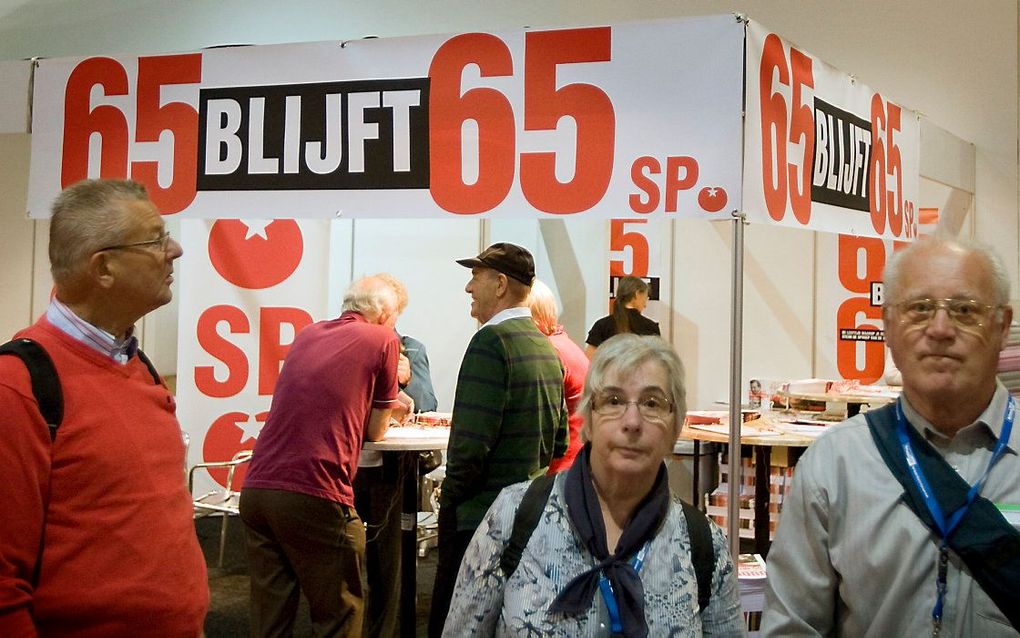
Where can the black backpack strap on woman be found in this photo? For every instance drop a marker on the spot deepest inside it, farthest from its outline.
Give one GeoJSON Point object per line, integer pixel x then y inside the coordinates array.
{"type": "Point", "coordinates": [530, 511]}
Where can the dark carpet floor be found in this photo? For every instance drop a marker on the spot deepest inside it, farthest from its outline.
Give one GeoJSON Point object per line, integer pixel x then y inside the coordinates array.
{"type": "Point", "coordinates": [228, 586]}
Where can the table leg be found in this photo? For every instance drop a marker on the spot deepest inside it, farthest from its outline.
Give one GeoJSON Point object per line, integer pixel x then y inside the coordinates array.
{"type": "Point", "coordinates": [409, 544]}
{"type": "Point", "coordinates": [696, 502]}
{"type": "Point", "coordinates": [762, 494]}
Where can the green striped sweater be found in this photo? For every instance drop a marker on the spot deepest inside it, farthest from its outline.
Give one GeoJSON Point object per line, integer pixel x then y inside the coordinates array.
{"type": "Point", "coordinates": [509, 417]}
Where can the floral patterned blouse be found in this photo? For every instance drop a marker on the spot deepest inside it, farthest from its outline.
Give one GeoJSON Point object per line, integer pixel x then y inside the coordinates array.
{"type": "Point", "coordinates": [485, 603]}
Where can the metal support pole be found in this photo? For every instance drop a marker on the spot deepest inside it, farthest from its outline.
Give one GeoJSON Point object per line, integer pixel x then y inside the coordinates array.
{"type": "Point", "coordinates": [736, 417]}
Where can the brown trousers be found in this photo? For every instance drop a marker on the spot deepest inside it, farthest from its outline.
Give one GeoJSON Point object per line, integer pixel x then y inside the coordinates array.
{"type": "Point", "coordinates": [299, 543]}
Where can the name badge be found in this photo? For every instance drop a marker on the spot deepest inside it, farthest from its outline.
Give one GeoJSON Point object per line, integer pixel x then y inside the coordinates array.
{"type": "Point", "coordinates": [1011, 513]}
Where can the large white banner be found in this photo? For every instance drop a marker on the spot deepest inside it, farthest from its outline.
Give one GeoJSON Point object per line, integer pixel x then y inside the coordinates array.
{"type": "Point", "coordinates": [639, 119]}
{"type": "Point", "coordinates": [822, 150]}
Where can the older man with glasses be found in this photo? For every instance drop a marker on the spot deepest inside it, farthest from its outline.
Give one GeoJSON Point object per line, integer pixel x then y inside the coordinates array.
{"type": "Point", "coordinates": [902, 521]}
{"type": "Point", "coordinates": [96, 535]}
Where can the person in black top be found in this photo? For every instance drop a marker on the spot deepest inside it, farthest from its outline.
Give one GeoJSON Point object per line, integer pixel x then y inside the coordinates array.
{"type": "Point", "coordinates": [631, 299]}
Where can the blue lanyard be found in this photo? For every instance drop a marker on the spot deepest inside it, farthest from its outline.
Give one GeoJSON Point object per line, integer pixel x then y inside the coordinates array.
{"type": "Point", "coordinates": [609, 595]}
{"type": "Point", "coordinates": [947, 527]}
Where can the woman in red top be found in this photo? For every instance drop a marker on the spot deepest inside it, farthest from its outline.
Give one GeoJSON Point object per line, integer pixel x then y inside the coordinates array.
{"type": "Point", "coordinates": [575, 365]}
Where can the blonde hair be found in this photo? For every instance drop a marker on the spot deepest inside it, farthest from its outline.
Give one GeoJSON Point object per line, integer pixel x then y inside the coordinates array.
{"type": "Point", "coordinates": [543, 307]}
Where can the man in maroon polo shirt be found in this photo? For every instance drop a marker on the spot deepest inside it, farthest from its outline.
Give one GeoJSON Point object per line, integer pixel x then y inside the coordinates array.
{"type": "Point", "coordinates": [338, 386]}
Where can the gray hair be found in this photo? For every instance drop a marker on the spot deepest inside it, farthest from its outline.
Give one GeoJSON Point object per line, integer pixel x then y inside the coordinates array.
{"type": "Point", "coordinates": [398, 287]}
{"type": "Point", "coordinates": [87, 217]}
{"type": "Point", "coordinates": [893, 268]}
{"type": "Point", "coordinates": [623, 354]}
{"type": "Point", "coordinates": [371, 297]}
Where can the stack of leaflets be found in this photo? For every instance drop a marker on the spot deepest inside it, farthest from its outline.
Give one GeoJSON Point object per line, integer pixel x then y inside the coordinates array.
{"type": "Point", "coordinates": [751, 578]}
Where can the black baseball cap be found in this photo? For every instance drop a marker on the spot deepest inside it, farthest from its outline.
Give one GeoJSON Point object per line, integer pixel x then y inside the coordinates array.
{"type": "Point", "coordinates": [509, 259]}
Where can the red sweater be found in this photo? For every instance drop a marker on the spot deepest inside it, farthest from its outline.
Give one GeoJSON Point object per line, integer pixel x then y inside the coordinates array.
{"type": "Point", "coordinates": [120, 556]}
{"type": "Point", "coordinates": [575, 370]}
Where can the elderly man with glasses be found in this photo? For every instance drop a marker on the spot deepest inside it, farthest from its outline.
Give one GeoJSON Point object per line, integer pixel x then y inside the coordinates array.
{"type": "Point", "coordinates": [96, 535]}
{"type": "Point", "coordinates": [902, 521]}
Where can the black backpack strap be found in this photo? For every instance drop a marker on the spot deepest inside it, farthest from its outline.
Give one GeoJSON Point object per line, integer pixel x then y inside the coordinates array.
{"type": "Point", "coordinates": [45, 382]}
{"type": "Point", "coordinates": [525, 522]}
{"type": "Point", "coordinates": [702, 552]}
{"type": "Point", "coordinates": [148, 364]}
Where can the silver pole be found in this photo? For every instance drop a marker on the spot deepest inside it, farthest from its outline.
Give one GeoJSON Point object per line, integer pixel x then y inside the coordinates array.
{"type": "Point", "coordinates": [736, 338]}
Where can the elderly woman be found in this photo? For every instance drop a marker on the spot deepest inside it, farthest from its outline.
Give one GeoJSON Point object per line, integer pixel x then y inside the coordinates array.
{"type": "Point", "coordinates": [612, 551]}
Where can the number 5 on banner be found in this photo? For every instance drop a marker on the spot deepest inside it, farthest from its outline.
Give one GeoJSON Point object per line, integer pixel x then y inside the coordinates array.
{"type": "Point", "coordinates": [621, 239]}
{"type": "Point", "coordinates": [492, 116]}
{"type": "Point", "coordinates": [886, 200]}
{"type": "Point", "coordinates": [110, 125]}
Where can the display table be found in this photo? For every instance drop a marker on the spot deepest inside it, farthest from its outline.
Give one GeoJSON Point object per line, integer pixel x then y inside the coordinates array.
{"type": "Point", "coordinates": [407, 442]}
{"type": "Point", "coordinates": [796, 419]}
{"type": "Point", "coordinates": [849, 402]}
{"type": "Point", "coordinates": [762, 445]}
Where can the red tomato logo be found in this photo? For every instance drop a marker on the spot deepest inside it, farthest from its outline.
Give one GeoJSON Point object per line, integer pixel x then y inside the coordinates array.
{"type": "Point", "coordinates": [255, 254]}
{"type": "Point", "coordinates": [712, 199]}
{"type": "Point", "coordinates": [228, 435]}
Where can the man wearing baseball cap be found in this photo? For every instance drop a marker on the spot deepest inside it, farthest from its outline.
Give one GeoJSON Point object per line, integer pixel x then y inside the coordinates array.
{"type": "Point", "coordinates": [509, 414]}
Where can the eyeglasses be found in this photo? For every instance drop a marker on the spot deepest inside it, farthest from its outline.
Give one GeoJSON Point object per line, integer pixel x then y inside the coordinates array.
{"type": "Point", "coordinates": [965, 313]}
{"type": "Point", "coordinates": [162, 241]}
{"type": "Point", "coordinates": [650, 406]}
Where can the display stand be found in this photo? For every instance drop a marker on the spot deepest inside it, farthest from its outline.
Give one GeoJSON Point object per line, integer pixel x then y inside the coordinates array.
{"type": "Point", "coordinates": [736, 343]}
{"type": "Point", "coordinates": [762, 449]}
{"type": "Point", "coordinates": [397, 441]}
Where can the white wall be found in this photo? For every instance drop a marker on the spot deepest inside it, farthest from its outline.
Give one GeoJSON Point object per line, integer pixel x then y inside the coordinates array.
{"type": "Point", "coordinates": [955, 62]}
{"type": "Point", "coordinates": [438, 311]}
{"type": "Point", "coordinates": [17, 239]}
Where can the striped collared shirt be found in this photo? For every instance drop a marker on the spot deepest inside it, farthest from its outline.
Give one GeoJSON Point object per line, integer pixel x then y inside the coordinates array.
{"type": "Point", "coordinates": [63, 318]}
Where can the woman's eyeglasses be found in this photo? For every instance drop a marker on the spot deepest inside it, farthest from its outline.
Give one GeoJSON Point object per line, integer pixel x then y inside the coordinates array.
{"type": "Point", "coordinates": [650, 406]}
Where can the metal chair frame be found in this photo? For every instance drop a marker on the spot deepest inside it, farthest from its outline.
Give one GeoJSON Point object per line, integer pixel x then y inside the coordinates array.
{"type": "Point", "coordinates": [220, 501]}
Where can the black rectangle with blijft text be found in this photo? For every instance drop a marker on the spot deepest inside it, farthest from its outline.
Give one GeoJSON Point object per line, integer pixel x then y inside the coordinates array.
{"type": "Point", "coordinates": [367, 134]}
{"type": "Point", "coordinates": [839, 172]}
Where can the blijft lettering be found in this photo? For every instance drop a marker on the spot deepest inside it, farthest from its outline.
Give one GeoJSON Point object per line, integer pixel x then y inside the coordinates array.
{"type": "Point", "coordinates": [370, 134]}
{"type": "Point", "coordinates": [842, 156]}
{"type": "Point", "coordinates": [877, 293]}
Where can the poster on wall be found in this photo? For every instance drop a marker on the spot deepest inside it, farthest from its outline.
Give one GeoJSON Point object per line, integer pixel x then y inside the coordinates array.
{"type": "Point", "coordinates": [851, 334]}
{"type": "Point", "coordinates": [822, 150]}
{"type": "Point", "coordinates": [262, 281]}
{"type": "Point", "coordinates": [636, 119]}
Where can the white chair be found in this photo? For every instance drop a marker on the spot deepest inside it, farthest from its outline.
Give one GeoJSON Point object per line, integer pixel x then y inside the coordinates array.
{"type": "Point", "coordinates": [220, 501]}
{"type": "Point", "coordinates": [428, 521]}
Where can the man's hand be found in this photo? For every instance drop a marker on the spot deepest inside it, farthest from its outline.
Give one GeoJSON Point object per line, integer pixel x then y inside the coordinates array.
{"type": "Point", "coordinates": [403, 370]}
{"type": "Point", "coordinates": [405, 410]}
